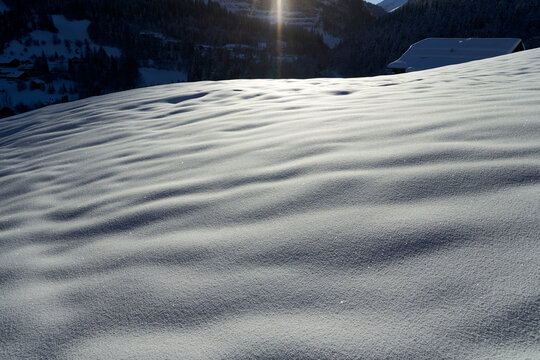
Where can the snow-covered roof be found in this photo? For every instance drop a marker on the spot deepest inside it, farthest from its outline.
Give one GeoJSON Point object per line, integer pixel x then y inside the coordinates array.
{"type": "Point", "coordinates": [391, 5]}
{"type": "Point", "coordinates": [435, 52]}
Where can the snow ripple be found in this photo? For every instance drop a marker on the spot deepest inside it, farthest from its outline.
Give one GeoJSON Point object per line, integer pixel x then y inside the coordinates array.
{"type": "Point", "coordinates": [387, 217]}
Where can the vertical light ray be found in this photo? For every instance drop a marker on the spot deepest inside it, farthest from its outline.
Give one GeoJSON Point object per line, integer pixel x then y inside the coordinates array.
{"type": "Point", "coordinates": [279, 22]}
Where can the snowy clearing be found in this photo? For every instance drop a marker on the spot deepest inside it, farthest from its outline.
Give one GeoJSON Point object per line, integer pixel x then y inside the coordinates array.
{"type": "Point", "coordinates": [72, 32]}
{"type": "Point", "coordinates": [153, 76]}
{"type": "Point", "coordinates": [388, 217]}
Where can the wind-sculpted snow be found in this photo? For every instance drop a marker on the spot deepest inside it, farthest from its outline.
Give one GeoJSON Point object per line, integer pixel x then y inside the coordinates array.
{"type": "Point", "coordinates": [380, 218]}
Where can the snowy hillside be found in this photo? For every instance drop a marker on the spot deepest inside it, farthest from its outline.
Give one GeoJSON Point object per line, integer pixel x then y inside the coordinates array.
{"type": "Point", "coordinates": [21, 85]}
{"type": "Point", "coordinates": [391, 5]}
{"type": "Point", "coordinates": [389, 217]}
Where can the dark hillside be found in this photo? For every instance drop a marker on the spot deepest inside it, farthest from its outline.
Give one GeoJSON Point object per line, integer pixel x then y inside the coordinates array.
{"type": "Point", "coordinates": [369, 52]}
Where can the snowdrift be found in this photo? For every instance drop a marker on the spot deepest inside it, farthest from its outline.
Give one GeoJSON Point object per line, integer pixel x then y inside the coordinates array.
{"type": "Point", "coordinates": [388, 217]}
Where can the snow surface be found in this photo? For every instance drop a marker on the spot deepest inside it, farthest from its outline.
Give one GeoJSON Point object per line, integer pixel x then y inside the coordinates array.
{"type": "Point", "coordinates": [394, 217]}
{"type": "Point", "coordinates": [153, 76]}
{"type": "Point", "coordinates": [391, 5]}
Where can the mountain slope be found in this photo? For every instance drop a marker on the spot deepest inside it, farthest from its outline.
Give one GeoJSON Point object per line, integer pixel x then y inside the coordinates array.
{"type": "Point", "coordinates": [174, 40]}
{"type": "Point", "coordinates": [387, 217]}
{"type": "Point", "coordinates": [393, 34]}
{"type": "Point", "coordinates": [330, 18]}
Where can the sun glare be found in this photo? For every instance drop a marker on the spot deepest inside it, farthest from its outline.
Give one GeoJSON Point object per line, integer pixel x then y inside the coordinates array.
{"type": "Point", "coordinates": [279, 22]}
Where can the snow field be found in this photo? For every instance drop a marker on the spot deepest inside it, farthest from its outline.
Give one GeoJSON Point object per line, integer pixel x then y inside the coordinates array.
{"type": "Point", "coordinates": [387, 217]}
